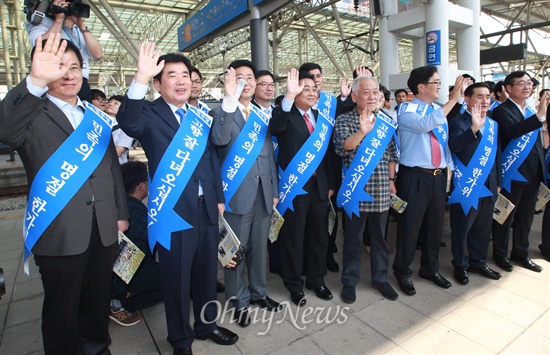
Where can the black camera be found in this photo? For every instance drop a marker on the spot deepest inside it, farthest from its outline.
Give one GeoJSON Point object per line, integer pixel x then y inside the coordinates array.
{"type": "Point", "coordinates": [37, 9]}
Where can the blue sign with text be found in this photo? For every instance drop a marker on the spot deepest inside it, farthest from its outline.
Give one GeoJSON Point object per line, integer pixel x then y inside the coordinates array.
{"type": "Point", "coordinates": [433, 47]}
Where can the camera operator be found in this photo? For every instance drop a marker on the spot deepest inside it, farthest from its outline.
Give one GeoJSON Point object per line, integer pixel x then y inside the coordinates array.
{"type": "Point", "coordinates": [71, 27]}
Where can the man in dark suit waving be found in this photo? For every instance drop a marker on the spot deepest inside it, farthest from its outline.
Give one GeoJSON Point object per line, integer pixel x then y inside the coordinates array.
{"type": "Point", "coordinates": [306, 170]}
{"type": "Point", "coordinates": [523, 168]}
{"type": "Point", "coordinates": [41, 118]}
{"type": "Point", "coordinates": [476, 182]}
{"type": "Point", "coordinates": [181, 159]}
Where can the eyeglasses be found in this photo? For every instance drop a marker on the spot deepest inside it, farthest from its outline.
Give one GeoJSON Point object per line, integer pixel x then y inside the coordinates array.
{"type": "Point", "coordinates": [267, 85]}
{"type": "Point", "coordinates": [436, 82]}
{"type": "Point", "coordinates": [310, 90]}
{"type": "Point", "coordinates": [524, 84]}
{"type": "Point", "coordinates": [101, 100]}
{"type": "Point", "coordinates": [75, 69]}
{"type": "Point", "coordinates": [250, 79]}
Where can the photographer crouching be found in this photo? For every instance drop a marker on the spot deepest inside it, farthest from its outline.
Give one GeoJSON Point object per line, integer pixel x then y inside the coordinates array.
{"type": "Point", "coordinates": [67, 18]}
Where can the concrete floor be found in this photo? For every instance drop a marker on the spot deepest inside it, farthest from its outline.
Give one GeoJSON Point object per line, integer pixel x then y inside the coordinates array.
{"type": "Point", "coordinates": [506, 316]}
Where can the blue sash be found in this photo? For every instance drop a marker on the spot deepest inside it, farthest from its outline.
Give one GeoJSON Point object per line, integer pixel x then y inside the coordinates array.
{"type": "Point", "coordinates": [463, 108]}
{"type": "Point", "coordinates": [440, 131]}
{"type": "Point", "coordinates": [469, 181]}
{"type": "Point", "coordinates": [515, 154]}
{"type": "Point", "coordinates": [547, 165]}
{"type": "Point", "coordinates": [173, 173]}
{"type": "Point", "coordinates": [275, 144]}
{"type": "Point", "coordinates": [493, 106]}
{"type": "Point", "coordinates": [304, 163]}
{"type": "Point", "coordinates": [64, 173]}
{"type": "Point", "coordinates": [243, 153]}
{"type": "Point", "coordinates": [327, 105]}
{"type": "Point", "coordinates": [366, 159]}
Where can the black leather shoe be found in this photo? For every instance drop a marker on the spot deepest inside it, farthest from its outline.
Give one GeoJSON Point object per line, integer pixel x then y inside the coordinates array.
{"type": "Point", "coordinates": [527, 263]}
{"type": "Point", "coordinates": [221, 336]}
{"type": "Point", "coordinates": [406, 285]}
{"type": "Point", "coordinates": [386, 290]}
{"type": "Point", "coordinates": [348, 294]}
{"type": "Point", "coordinates": [220, 287]}
{"type": "Point", "coordinates": [332, 265]}
{"type": "Point", "coordinates": [268, 303]}
{"type": "Point", "coordinates": [436, 279]}
{"type": "Point", "coordinates": [298, 299]}
{"type": "Point", "coordinates": [242, 317]}
{"type": "Point", "coordinates": [322, 292]}
{"type": "Point", "coordinates": [442, 244]}
{"type": "Point", "coordinates": [461, 275]}
{"type": "Point", "coordinates": [183, 351]}
{"type": "Point", "coordinates": [504, 264]}
{"type": "Point", "coordinates": [485, 271]}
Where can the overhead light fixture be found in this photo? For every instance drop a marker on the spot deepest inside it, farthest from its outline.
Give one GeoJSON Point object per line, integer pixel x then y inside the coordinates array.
{"type": "Point", "coordinates": [105, 36]}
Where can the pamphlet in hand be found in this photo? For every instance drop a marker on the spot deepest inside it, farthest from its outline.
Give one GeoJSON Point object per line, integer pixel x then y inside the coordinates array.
{"type": "Point", "coordinates": [277, 222]}
{"type": "Point", "coordinates": [397, 203]}
{"type": "Point", "coordinates": [331, 217]}
{"type": "Point", "coordinates": [229, 243]}
{"type": "Point", "coordinates": [543, 197]}
{"type": "Point", "coordinates": [128, 258]}
{"type": "Point", "coordinates": [503, 208]}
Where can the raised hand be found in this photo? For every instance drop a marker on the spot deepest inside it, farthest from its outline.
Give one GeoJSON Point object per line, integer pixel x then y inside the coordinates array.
{"type": "Point", "coordinates": [361, 70]}
{"type": "Point", "coordinates": [147, 63]}
{"type": "Point", "coordinates": [365, 123]}
{"type": "Point", "coordinates": [46, 65]}
{"type": "Point", "coordinates": [345, 87]}
{"type": "Point", "coordinates": [458, 91]}
{"type": "Point", "coordinates": [477, 120]}
{"type": "Point", "coordinates": [293, 87]}
{"type": "Point", "coordinates": [231, 83]}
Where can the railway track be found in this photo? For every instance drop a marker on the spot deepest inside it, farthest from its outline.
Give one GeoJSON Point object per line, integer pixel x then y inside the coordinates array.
{"type": "Point", "coordinates": [13, 191]}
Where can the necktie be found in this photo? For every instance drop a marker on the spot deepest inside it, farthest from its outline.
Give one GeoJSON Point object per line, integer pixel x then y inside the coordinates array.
{"type": "Point", "coordinates": [181, 113]}
{"type": "Point", "coordinates": [436, 151]}
{"type": "Point", "coordinates": [246, 111]}
{"type": "Point", "coordinates": [308, 123]}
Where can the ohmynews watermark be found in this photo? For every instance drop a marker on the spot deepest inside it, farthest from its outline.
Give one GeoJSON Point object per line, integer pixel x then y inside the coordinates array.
{"type": "Point", "coordinates": [299, 316]}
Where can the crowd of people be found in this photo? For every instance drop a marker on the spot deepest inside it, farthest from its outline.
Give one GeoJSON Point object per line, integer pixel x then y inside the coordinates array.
{"type": "Point", "coordinates": [309, 154]}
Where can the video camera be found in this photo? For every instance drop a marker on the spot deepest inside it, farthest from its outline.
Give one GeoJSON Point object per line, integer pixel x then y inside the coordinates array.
{"type": "Point", "coordinates": [37, 9]}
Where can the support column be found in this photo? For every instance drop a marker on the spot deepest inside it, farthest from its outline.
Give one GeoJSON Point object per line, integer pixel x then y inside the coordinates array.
{"type": "Point", "coordinates": [468, 40]}
{"type": "Point", "coordinates": [437, 18]}
{"type": "Point", "coordinates": [259, 46]}
{"type": "Point", "coordinates": [389, 53]}
{"type": "Point", "coordinates": [419, 52]}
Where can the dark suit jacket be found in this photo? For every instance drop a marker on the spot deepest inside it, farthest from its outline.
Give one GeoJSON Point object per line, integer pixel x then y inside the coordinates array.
{"type": "Point", "coordinates": [36, 128]}
{"type": "Point", "coordinates": [225, 130]}
{"type": "Point", "coordinates": [154, 124]}
{"type": "Point", "coordinates": [291, 131]}
{"type": "Point", "coordinates": [511, 125]}
{"type": "Point", "coordinates": [464, 143]}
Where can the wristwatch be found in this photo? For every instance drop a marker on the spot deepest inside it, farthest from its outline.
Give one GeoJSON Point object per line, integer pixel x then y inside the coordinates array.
{"type": "Point", "coordinates": [85, 30]}
{"type": "Point", "coordinates": [392, 179]}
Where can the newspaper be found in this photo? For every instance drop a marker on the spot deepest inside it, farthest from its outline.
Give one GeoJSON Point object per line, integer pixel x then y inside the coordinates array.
{"type": "Point", "coordinates": [503, 208]}
{"type": "Point", "coordinates": [229, 243]}
{"type": "Point", "coordinates": [277, 222]}
{"type": "Point", "coordinates": [397, 203]}
{"type": "Point", "coordinates": [331, 217]}
{"type": "Point", "coordinates": [128, 258]}
{"type": "Point", "coordinates": [543, 197]}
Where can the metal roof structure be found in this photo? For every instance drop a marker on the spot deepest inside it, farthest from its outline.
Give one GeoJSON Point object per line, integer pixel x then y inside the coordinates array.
{"type": "Point", "coordinates": [337, 34]}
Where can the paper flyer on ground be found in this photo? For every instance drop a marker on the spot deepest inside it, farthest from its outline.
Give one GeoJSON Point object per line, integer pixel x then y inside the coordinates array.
{"type": "Point", "coordinates": [229, 243]}
{"type": "Point", "coordinates": [503, 208]}
{"type": "Point", "coordinates": [128, 258]}
{"type": "Point", "coordinates": [543, 197]}
{"type": "Point", "coordinates": [277, 222]}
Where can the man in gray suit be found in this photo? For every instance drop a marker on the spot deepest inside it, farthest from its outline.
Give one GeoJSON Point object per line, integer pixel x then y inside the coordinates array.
{"type": "Point", "coordinates": [75, 253]}
{"type": "Point", "coordinates": [250, 195]}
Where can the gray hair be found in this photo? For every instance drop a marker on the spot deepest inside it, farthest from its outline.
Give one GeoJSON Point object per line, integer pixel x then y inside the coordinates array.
{"type": "Point", "coordinates": [357, 81]}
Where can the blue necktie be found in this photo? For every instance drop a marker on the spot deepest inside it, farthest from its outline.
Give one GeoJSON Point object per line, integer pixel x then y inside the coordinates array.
{"type": "Point", "coordinates": [181, 112]}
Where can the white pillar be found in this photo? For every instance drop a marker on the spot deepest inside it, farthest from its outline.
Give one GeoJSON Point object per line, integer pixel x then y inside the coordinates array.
{"type": "Point", "coordinates": [468, 40]}
{"type": "Point", "coordinates": [437, 18]}
{"type": "Point", "coordinates": [419, 52]}
{"type": "Point", "coordinates": [389, 53]}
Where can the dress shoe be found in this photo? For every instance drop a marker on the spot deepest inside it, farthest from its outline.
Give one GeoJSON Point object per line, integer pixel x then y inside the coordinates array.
{"type": "Point", "coordinates": [436, 279]}
{"type": "Point", "coordinates": [242, 317]}
{"type": "Point", "coordinates": [221, 336]}
{"type": "Point", "coordinates": [220, 287]}
{"type": "Point", "coordinates": [268, 303]}
{"type": "Point", "coordinates": [485, 271]}
{"type": "Point", "coordinates": [332, 265]}
{"type": "Point", "coordinates": [442, 244]}
{"type": "Point", "coordinates": [348, 294]}
{"type": "Point", "coordinates": [406, 285]}
{"type": "Point", "coordinates": [298, 299]}
{"type": "Point", "coordinates": [183, 351]}
{"type": "Point", "coordinates": [386, 290]}
{"type": "Point", "coordinates": [527, 263]}
{"type": "Point", "coordinates": [461, 275]}
{"type": "Point", "coordinates": [504, 264]}
{"type": "Point", "coordinates": [322, 292]}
